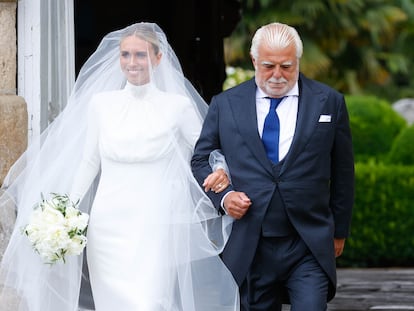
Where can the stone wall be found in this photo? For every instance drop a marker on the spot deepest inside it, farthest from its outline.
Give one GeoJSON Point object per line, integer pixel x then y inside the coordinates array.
{"type": "Point", "coordinates": [405, 107]}
{"type": "Point", "coordinates": [13, 110]}
{"type": "Point", "coordinates": [8, 47]}
{"type": "Point", "coordinates": [13, 127]}
{"type": "Point", "coordinates": [13, 131]}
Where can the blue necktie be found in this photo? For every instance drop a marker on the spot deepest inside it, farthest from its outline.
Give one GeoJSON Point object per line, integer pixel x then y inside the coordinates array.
{"type": "Point", "coordinates": [271, 128]}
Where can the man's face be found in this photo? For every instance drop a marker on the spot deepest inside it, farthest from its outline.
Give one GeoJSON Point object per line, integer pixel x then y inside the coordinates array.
{"type": "Point", "coordinates": [276, 70]}
{"type": "Point", "coordinates": [137, 59]}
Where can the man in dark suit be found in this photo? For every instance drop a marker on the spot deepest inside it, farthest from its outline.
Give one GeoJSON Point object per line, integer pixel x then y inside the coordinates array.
{"type": "Point", "coordinates": [292, 177]}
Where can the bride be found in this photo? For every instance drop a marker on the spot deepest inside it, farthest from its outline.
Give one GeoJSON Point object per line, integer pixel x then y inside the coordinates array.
{"type": "Point", "coordinates": [122, 146]}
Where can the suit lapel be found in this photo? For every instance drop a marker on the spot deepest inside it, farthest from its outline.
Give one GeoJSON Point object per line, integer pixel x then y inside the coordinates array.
{"type": "Point", "coordinates": [244, 113]}
{"type": "Point", "coordinates": [311, 100]}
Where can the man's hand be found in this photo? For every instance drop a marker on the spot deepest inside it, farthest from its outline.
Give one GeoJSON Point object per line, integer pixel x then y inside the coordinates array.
{"type": "Point", "coordinates": [237, 204]}
{"type": "Point", "coordinates": [216, 181]}
{"type": "Point", "coordinates": [339, 246]}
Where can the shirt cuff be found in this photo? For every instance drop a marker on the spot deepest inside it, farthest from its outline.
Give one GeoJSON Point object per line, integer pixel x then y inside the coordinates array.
{"type": "Point", "coordinates": [222, 201]}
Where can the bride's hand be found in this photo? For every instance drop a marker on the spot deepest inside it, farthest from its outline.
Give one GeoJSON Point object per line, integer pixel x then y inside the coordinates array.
{"type": "Point", "coordinates": [216, 181]}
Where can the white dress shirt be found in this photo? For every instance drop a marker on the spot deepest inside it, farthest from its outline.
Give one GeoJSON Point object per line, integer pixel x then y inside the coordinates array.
{"type": "Point", "coordinates": [287, 112]}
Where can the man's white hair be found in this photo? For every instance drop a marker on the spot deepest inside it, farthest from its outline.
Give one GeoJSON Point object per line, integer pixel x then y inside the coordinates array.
{"type": "Point", "coordinates": [276, 36]}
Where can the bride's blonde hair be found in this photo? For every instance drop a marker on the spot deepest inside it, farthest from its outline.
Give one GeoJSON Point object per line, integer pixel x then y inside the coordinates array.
{"type": "Point", "coordinates": [144, 31]}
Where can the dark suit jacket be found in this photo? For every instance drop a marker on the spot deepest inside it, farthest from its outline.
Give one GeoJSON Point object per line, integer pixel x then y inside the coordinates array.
{"type": "Point", "coordinates": [316, 180]}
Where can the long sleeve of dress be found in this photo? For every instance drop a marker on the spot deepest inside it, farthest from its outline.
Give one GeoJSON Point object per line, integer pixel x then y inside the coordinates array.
{"type": "Point", "coordinates": [90, 162]}
{"type": "Point", "coordinates": [190, 125]}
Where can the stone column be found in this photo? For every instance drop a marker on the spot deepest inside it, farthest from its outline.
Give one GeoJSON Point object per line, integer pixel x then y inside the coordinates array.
{"type": "Point", "coordinates": [13, 127]}
{"type": "Point", "coordinates": [13, 110]}
{"type": "Point", "coordinates": [13, 141]}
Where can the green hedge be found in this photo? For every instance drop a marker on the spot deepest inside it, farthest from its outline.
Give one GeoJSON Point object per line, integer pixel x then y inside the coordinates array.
{"type": "Point", "coordinates": [374, 126]}
{"type": "Point", "coordinates": [382, 231]}
{"type": "Point", "coordinates": [402, 150]}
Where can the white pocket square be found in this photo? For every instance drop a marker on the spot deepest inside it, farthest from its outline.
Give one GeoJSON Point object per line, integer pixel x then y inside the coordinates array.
{"type": "Point", "coordinates": [325, 118]}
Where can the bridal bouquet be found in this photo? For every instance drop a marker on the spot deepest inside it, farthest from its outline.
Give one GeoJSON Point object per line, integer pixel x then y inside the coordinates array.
{"type": "Point", "coordinates": [57, 228]}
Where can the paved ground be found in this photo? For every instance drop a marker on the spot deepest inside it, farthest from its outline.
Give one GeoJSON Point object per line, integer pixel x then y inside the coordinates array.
{"type": "Point", "coordinates": [373, 289]}
{"type": "Point", "coordinates": [358, 290]}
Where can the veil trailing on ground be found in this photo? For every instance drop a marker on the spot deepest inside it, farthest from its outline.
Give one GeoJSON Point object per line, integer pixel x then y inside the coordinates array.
{"type": "Point", "coordinates": [50, 163]}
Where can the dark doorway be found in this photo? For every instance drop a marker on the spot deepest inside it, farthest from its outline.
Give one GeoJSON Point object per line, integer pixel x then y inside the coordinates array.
{"type": "Point", "coordinates": [194, 28]}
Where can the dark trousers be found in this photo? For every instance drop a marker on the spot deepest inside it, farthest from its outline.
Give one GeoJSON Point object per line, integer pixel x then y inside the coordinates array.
{"type": "Point", "coordinates": [282, 269]}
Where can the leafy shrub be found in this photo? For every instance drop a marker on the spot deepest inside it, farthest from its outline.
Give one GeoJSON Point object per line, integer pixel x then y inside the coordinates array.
{"type": "Point", "coordinates": [236, 75]}
{"type": "Point", "coordinates": [383, 217]}
{"type": "Point", "coordinates": [402, 149]}
{"type": "Point", "coordinates": [374, 126]}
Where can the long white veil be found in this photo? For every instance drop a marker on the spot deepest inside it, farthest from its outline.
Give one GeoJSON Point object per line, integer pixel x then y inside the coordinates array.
{"type": "Point", "coordinates": [50, 164]}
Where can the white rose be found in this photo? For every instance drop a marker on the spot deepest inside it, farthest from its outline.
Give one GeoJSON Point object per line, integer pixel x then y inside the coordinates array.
{"type": "Point", "coordinates": [80, 221]}
{"type": "Point", "coordinates": [52, 216]}
{"type": "Point", "coordinates": [71, 211]}
{"type": "Point", "coordinates": [76, 245]}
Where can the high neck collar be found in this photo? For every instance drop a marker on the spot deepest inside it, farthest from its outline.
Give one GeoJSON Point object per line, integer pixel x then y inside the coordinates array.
{"type": "Point", "coordinates": [138, 90]}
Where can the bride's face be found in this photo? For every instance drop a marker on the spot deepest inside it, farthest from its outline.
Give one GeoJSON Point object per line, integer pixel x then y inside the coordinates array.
{"type": "Point", "coordinates": [138, 58]}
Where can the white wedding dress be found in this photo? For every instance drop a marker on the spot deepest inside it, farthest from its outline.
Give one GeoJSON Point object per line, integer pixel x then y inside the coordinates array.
{"type": "Point", "coordinates": [147, 244]}
{"type": "Point", "coordinates": [154, 237]}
